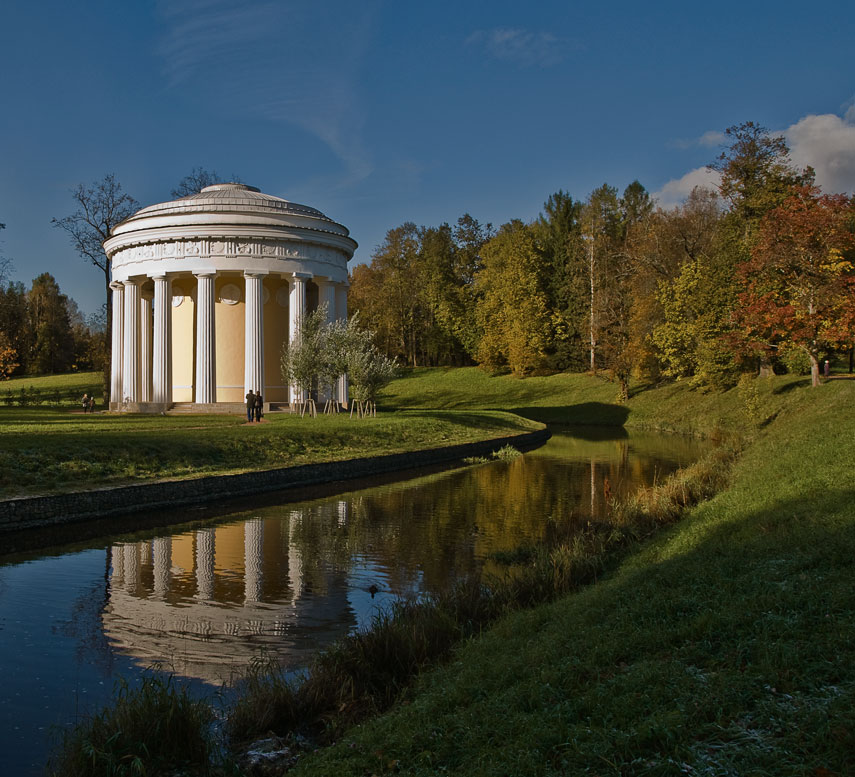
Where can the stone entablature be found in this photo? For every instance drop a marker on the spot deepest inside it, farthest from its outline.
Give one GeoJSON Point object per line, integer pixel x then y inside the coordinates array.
{"type": "Point", "coordinates": [229, 250]}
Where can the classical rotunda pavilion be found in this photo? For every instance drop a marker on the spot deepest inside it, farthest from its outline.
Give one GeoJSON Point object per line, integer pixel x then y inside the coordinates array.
{"type": "Point", "coordinates": [208, 288]}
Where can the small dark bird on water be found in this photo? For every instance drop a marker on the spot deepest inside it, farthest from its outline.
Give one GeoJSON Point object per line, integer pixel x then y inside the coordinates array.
{"type": "Point", "coordinates": [373, 589]}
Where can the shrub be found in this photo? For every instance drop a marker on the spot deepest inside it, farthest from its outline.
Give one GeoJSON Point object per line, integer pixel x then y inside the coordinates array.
{"type": "Point", "coordinates": [145, 731]}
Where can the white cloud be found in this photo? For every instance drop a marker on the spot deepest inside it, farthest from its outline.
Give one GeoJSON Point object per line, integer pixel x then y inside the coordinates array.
{"type": "Point", "coordinates": [522, 47]}
{"type": "Point", "coordinates": [279, 60]}
{"type": "Point", "coordinates": [826, 143]}
{"type": "Point", "coordinates": [675, 191]}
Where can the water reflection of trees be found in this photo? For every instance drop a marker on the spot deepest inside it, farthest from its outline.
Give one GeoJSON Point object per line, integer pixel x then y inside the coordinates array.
{"type": "Point", "coordinates": [288, 578]}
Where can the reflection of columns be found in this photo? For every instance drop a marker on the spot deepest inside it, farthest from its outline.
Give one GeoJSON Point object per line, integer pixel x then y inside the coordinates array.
{"type": "Point", "coordinates": [296, 311]}
{"type": "Point", "coordinates": [341, 315]}
{"type": "Point", "coordinates": [206, 390]}
{"type": "Point", "coordinates": [326, 297]}
{"type": "Point", "coordinates": [295, 561]}
{"type": "Point", "coordinates": [162, 565]}
{"type": "Point", "coordinates": [162, 356]}
{"type": "Point", "coordinates": [253, 374]}
{"type": "Point", "coordinates": [132, 567]}
{"type": "Point", "coordinates": [342, 511]}
{"type": "Point", "coordinates": [205, 564]}
{"type": "Point", "coordinates": [117, 560]}
{"type": "Point", "coordinates": [131, 349]}
{"type": "Point", "coordinates": [145, 348]}
{"type": "Point", "coordinates": [253, 544]}
{"type": "Point", "coordinates": [118, 328]}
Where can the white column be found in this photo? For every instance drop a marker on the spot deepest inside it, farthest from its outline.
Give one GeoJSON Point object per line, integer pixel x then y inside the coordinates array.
{"type": "Point", "coordinates": [162, 358]}
{"type": "Point", "coordinates": [341, 315]}
{"type": "Point", "coordinates": [326, 297]}
{"type": "Point", "coordinates": [117, 344]}
{"type": "Point", "coordinates": [253, 373]}
{"type": "Point", "coordinates": [145, 348]}
{"type": "Point", "coordinates": [296, 311]}
{"type": "Point", "coordinates": [206, 390]}
{"type": "Point", "coordinates": [131, 350]}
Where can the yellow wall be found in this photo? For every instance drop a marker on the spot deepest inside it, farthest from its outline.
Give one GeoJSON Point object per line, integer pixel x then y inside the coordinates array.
{"type": "Point", "coordinates": [275, 335]}
{"type": "Point", "coordinates": [229, 340]}
{"type": "Point", "coordinates": [183, 339]}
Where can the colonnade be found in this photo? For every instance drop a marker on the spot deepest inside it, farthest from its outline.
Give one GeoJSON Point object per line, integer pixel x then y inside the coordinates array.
{"type": "Point", "coordinates": [141, 369]}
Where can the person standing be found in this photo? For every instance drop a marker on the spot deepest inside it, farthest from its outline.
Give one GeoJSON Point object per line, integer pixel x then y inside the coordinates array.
{"type": "Point", "coordinates": [85, 403]}
{"type": "Point", "coordinates": [259, 407]}
{"type": "Point", "coordinates": [250, 406]}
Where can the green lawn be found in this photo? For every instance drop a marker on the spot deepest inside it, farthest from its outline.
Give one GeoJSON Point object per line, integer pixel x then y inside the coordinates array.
{"type": "Point", "coordinates": [46, 449]}
{"type": "Point", "coordinates": [725, 646]}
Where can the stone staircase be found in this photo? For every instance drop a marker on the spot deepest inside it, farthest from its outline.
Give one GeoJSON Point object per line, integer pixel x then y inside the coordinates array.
{"type": "Point", "coordinates": [222, 408]}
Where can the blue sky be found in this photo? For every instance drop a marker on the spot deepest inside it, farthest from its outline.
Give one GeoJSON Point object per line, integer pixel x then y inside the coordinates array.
{"type": "Point", "coordinates": [384, 112]}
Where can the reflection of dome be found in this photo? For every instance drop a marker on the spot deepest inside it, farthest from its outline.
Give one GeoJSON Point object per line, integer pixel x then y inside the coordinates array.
{"type": "Point", "coordinates": [206, 602]}
{"type": "Point", "coordinates": [227, 249]}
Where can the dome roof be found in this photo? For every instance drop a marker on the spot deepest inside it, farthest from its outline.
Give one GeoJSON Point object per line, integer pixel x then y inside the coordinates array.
{"type": "Point", "coordinates": [228, 198]}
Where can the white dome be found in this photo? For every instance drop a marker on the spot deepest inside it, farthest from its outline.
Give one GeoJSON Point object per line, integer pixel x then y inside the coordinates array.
{"type": "Point", "coordinates": [229, 227]}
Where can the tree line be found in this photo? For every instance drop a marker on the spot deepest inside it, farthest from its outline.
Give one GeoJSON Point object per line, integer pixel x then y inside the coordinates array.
{"type": "Point", "coordinates": [42, 331]}
{"type": "Point", "coordinates": [756, 275]}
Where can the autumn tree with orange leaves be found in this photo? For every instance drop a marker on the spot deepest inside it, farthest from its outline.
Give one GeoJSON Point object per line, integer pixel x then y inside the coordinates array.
{"type": "Point", "coordinates": [798, 287]}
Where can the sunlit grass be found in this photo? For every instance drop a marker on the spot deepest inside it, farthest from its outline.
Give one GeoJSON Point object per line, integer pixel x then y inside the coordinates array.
{"type": "Point", "coordinates": [44, 449]}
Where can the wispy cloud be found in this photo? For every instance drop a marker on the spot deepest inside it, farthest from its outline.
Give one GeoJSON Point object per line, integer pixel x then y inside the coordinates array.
{"type": "Point", "coordinates": [283, 61]}
{"type": "Point", "coordinates": [709, 139]}
{"type": "Point", "coordinates": [519, 46]}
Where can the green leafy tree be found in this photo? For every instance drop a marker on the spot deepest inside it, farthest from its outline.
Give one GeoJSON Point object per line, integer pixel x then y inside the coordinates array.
{"type": "Point", "coordinates": [513, 306]}
{"type": "Point", "coordinates": [559, 236]}
{"type": "Point", "coordinates": [53, 343]}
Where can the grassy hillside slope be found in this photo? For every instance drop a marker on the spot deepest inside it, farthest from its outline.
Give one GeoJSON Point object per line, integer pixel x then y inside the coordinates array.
{"type": "Point", "coordinates": [581, 399]}
{"type": "Point", "coordinates": [725, 646]}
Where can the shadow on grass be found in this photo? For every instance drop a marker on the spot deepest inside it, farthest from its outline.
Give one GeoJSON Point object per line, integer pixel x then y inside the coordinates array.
{"type": "Point", "coordinates": [787, 387]}
{"type": "Point", "coordinates": [585, 413]}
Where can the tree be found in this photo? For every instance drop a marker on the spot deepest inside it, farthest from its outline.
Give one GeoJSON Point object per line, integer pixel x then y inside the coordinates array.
{"type": "Point", "coordinates": [197, 180]}
{"type": "Point", "coordinates": [301, 358]}
{"type": "Point", "coordinates": [558, 231]}
{"type": "Point", "coordinates": [14, 321]}
{"type": "Point", "coordinates": [601, 219]}
{"type": "Point", "coordinates": [513, 306]}
{"type": "Point", "coordinates": [5, 264]}
{"type": "Point", "coordinates": [756, 173]}
{"type": "Point", "coordinates": [8, 357]}
{"type": "Point", "coordinates": [53, 346]}
{"type": "Point", "coordinates": [799, 284]}
{"type": "Point", "coordinates": [100, 207]}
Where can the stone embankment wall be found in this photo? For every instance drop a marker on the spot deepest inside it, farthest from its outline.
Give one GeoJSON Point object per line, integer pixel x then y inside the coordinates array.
{"type": "Point", "coordinates": [42, 511]}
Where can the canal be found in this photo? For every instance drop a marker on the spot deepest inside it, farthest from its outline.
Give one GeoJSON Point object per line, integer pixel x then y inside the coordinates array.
{"type": "Point", "coordinates": [282, 580]}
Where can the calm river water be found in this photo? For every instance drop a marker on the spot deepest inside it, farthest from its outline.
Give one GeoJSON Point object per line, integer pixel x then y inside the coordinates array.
{"type": "Point", "coordinates": [282, 580]}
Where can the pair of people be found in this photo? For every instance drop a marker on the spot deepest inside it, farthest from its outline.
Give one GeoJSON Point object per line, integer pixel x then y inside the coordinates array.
{"type": "Point", "coordinates": [88, 403]}
{"type": "Point", "coordinates": [254, 406]}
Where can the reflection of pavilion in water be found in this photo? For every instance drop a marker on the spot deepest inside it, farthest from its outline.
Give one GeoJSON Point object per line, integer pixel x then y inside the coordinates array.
{"type": "Point", "coordinates": [205, 602]}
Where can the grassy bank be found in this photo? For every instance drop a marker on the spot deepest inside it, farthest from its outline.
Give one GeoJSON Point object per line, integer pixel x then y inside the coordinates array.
{"type": "Point", "coordinates": [724, 646]}
{"type": "Point", "coordinates": [581, 399]}
{"type": "Point", "coordinates": [46, 449]}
